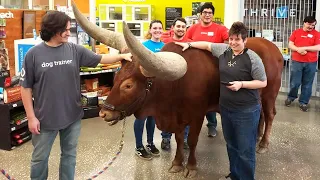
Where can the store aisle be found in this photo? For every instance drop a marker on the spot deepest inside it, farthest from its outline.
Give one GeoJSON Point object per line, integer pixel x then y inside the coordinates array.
{"type": "Point", "coordinates": [294, 151]}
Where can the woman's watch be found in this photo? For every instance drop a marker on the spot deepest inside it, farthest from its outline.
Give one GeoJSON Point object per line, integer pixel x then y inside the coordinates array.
{"type": "Point", "coordinates": [189, 44]}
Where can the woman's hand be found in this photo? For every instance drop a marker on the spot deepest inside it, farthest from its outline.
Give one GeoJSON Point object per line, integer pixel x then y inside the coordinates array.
{"type": "Point", "coordinates": [127, 56]}
{"type": "Point", "coordinates": [184, 46]}
{"type": "Point", "coordinates": [236, 85]}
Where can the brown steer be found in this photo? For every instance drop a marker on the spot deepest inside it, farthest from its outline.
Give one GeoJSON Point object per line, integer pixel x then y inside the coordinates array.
{"type": "Point", "coordinates": [147, 87]}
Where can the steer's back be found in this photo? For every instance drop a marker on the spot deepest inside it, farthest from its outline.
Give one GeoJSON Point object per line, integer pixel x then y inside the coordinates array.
{"type": "Point", "coordinates": [196, 92]}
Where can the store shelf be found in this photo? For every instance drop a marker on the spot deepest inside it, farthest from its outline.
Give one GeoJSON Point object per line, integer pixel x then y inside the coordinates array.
{"type": "Point", "coordinates": [99, 72]}
{"type": "Point", "coordinates": [13, 104]}
{"type": "Point", "coordinates": [91, 112]}
{"type": "Point", "coordinates": [26, 140]}
{"type": "Point", "coordinates": [15, 127]}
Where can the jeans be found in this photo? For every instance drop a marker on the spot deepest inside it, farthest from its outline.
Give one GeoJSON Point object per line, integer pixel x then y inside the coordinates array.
{"type": "Point", "coordinates": [302, 74]}
{"type": "Point", "coordinates": [138, 130]}
{"type": "Point", "coordinates": [42, 144]}
{"type": "Point", "coordinates": [240, 133]}
{"type": "Point", "coordinates": [167, 135]}
{"type": "Point", "coordinates": [212, 119]}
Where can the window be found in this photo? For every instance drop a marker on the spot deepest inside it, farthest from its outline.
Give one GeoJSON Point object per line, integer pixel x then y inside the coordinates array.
{"type": "Point", "coordinates": [14, 4]}
{"type": "Point", "coordinates": [40, 4]}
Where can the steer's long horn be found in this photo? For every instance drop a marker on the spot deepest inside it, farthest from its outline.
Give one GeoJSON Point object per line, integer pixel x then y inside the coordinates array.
{"type": "Point", "coordinates": [109, 38]}
{"type": "Point", "coordinates": [165, 65]}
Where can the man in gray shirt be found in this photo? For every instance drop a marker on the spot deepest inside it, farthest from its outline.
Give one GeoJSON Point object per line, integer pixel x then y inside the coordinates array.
{"type": "Point", "coordinates": [50, 74]}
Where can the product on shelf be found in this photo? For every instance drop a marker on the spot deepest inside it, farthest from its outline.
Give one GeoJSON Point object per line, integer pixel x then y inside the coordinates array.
{"type": "Point", "coordinates": [111, 66]}
{"type": "Point", "coordinates": [90, 69]}
{"type": "Point", "coordinates": [103, 91]}
{"type": "Point", "coordinates": [101, 67]}
{"type": "Point", "coordinates": [22, 140]}
{"type": "Point", "coordinates": [18, 117]}
{"type": "Point", "coordinates": [92, 85]}
{"type": "Point", "coordinates": [21, 134]}
{"type": "Point", "coordinates": [12, 81]}
{"type": "Point", "coordinates": [11, 94]}
{"type": "Point", "coordinates": [89, 99]}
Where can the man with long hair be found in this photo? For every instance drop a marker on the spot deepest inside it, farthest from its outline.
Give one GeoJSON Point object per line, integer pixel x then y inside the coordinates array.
{"type": "Point", "coordinates": [51, 75]}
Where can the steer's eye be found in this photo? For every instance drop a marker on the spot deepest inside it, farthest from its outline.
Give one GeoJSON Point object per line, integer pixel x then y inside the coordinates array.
{"type": "Point", "coordinates": [128, 86]}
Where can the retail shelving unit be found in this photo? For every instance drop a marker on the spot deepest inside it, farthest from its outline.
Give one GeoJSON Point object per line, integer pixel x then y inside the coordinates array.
{"type": "Point", "coordinates": [7, 129]}
{"type": "Point", "coordinates": [137, 17]}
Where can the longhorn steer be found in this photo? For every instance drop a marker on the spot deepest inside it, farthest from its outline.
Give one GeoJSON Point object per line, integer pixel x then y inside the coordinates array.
{"type": "Point", "coordinates": [149, 86]}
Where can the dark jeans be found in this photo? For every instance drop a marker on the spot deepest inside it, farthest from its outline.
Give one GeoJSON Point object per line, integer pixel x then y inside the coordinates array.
{"type": "Point", "coordinates": [240, 132]}
{"type": "Point", "coordinates": [212, 119]}
{"type": "Point", "coordinates": [167, 135]}
{"type": "Point", "coordinates": [302, 74]}
{"type": "Point", "coordinates": [138, 130]}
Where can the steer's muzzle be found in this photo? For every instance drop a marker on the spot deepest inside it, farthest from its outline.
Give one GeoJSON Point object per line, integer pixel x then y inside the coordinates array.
{"type": "Point", "coordinates": [109, 115]}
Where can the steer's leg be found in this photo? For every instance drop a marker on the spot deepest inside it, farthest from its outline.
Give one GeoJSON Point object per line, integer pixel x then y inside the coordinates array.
{"type": "Point", "coordinates": [178, 160]}
{"type": "Point", "coordinates": [269, 110]}
{"type": "Point", "coordinates": [261, 126]}
{"type": "Point", "coordinates": [195, 128]}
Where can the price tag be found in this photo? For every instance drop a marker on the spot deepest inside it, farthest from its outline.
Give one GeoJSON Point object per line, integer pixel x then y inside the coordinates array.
{"type": "Point", "coordinates": [137, 9]}
{"type": "Point", "coordinates": [14, 105]}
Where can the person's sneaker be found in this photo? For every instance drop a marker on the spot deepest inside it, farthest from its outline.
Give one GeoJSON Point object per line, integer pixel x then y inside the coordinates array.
{"type": "Point", "coordinates": [153, 150]}
{"type": "Point", "coordinates": [143, 154]}
{"type": "Point", "coordinates": [288, 102]}
{"type": "Point", "coordinates": [225, 177]}
{"type": "Point", "coordinates": [304, 107]}
{"type": "Point", "coordinates": [212, 132]}
{"type": "Point", "coordinates": [185, 145]}
{"type": "Point", "coordinates": [165, 144]}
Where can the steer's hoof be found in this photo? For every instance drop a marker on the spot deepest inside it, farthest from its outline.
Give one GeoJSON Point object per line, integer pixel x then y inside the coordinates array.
{"type": "Point", "coordinates": [262, 150]}
{"type": "Point", "coordinates": [259, 139]}
{"type": "Point", "coordinates": [175, 169]}
{"type": "Point", "coordinates": [190, 173]}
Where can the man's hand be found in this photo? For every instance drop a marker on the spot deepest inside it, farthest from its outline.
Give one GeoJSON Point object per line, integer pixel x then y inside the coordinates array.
{"type": "Point", "coordinates": [184, 46]}
{"type": "Point", "coordinates": [34, 125]}
{"type": "Point", "coordinates": [127, 56]}
{"type": "Point", "coordinates": [301, 51]}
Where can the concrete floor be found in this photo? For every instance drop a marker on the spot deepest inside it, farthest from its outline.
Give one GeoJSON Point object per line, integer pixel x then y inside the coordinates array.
{"type": "Point", "coordinates": [294, 151]}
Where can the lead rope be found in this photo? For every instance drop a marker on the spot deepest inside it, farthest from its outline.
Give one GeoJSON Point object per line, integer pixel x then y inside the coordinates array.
{"type": "Point", "coordinates": [6, 175]}
{"type": "Point", "coordinates": [121, 143]}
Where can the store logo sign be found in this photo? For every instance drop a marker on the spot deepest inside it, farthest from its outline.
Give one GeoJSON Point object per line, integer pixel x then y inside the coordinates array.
{"type": "Point", "coordinates": [8, 15]}
{"type": "Point", "coordinates": [282, 12]}
{"type": "Point", "coordinates": [278, 12]}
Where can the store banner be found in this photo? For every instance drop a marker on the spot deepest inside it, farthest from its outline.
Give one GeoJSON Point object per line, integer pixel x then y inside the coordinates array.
{"type": "Point", "coordinates": [22, 51]}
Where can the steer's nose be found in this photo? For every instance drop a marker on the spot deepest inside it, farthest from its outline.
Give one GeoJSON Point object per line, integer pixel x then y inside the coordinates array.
{"type": "Point", "coordinates": [102, 114]}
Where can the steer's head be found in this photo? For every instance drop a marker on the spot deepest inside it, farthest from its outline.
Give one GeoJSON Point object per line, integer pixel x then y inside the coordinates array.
{"type": "Point", "coordinates": [131, 82]}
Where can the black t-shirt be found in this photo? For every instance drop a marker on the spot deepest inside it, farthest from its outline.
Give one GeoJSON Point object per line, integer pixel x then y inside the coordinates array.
{"type": "Point", "coordinates": [247, 66]}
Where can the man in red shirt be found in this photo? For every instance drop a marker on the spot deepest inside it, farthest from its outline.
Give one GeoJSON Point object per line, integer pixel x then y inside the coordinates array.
{"type": "Point", "coordinates": [206, 30]}
{"type": "Point", "coordinates": [179, 28]}
{"type": "Point", "coordinates": [304, 44]}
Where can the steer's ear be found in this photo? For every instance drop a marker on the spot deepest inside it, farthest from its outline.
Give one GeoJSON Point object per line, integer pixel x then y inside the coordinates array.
{"type": "Point", "coordinates": [145, 72]}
